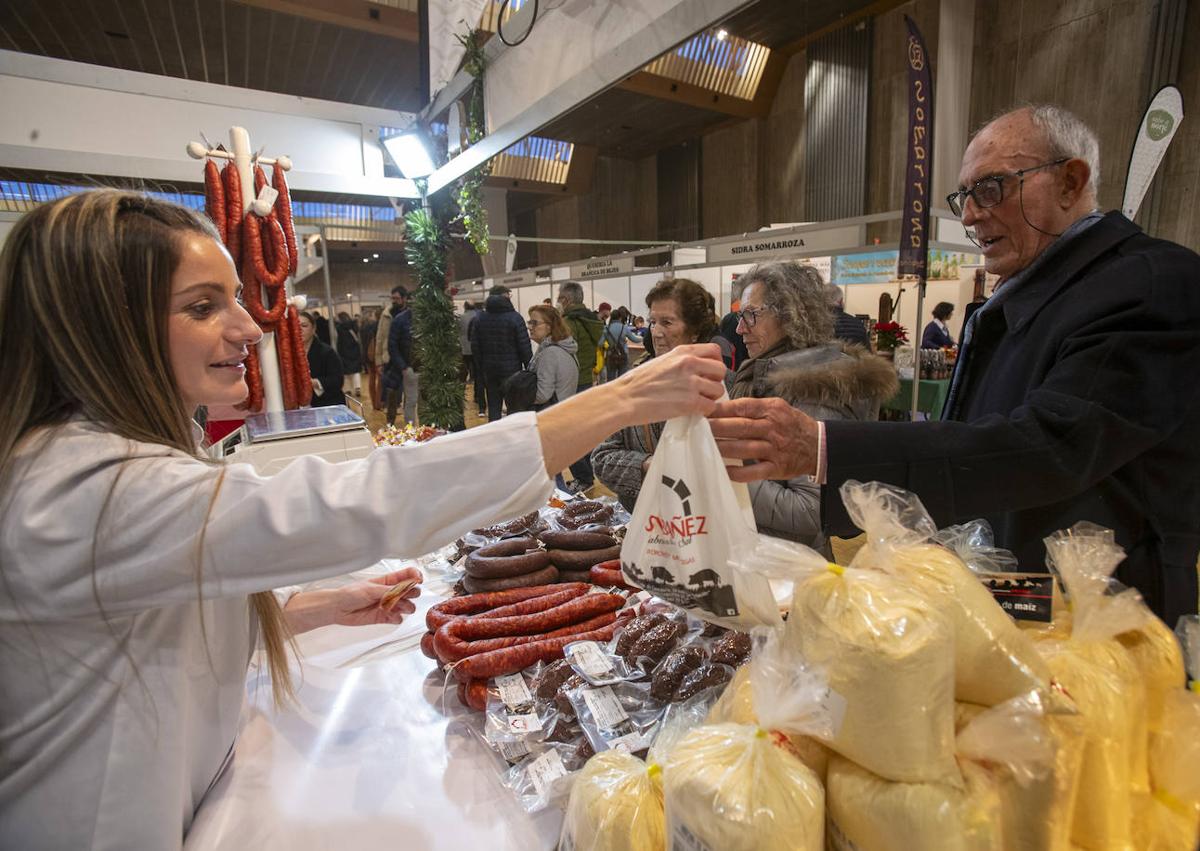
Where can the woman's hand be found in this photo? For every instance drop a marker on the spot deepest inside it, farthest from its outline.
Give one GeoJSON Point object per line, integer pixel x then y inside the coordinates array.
{"type": "Point", "coordinates": [689, 380]}
{"type": "Point", "coordinates": [353, 605]}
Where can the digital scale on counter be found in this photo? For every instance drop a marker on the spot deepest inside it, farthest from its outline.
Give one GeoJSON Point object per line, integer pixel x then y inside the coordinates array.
{"type": "Point", "coordinates": [269, 441]}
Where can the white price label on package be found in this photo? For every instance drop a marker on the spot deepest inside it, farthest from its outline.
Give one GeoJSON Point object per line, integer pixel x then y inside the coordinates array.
{"type": "Point", "coordinates": [606, 709]}
{"type": "Point", "coordinates": [513, 691]}
{"type": "Point", "coordinates": [524, 723]}
{"type": "Point", "coordinates": [589, 658]}
{"type": "Point", "coordinates": [629, 743]}
{"type": "Point", "coordinates": [545, 770]}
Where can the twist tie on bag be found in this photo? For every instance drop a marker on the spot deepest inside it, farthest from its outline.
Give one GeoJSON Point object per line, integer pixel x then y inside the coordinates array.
{"type": "Point", "coordinates": [835, 568]}
{"type": "Point", "coordinates": [1174, 804]}
{"type": "Point", "coordinates": [653, 770]}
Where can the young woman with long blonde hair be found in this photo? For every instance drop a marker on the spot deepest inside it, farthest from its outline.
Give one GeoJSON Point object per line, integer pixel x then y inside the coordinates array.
{"type": "Point", "coordinates": [135, 574]}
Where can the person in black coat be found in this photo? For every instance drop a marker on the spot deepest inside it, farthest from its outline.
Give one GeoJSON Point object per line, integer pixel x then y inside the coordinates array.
{"type": "Point", "coordinates": [500, 346]}
{"type": "Point", "coordinates": [845, 326]}
{"type": "Point", "coordinates": [1073, 398]}
{"type": "Point", "coordinates": [349, 349]}
{"type": "Point", "coordinates": [400, 377]}
{"type": "Point", "coordinates": [322, 325]}
{"type": "Point", "coordinates": [727, 328]}
{"type": "Point", "coordinates": [324, 366]}
{"type": "Point", "coordinates": [937, 335]}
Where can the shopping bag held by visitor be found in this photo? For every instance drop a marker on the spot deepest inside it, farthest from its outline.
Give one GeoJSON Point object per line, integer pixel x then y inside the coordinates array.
{"type": "Point", "coordinates": [692, 539]}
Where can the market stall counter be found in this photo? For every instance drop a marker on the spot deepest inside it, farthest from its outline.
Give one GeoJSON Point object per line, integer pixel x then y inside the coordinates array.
{"type": "Point", "coordinates": [931, 397]}
{"type": "Point", "coordinates": [369, 757]}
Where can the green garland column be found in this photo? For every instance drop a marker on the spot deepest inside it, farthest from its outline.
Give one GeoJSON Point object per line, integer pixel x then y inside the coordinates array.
{"type": "Point", "coordinates": [435, 327]}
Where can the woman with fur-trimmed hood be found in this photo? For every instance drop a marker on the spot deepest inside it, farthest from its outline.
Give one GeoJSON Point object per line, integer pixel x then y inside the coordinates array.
{"type": "Point", "coordinates": [787, 326]}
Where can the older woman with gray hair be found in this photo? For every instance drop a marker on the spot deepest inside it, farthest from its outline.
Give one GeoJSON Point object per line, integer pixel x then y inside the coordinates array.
{"type": "Point", "coordinates": [787, 326]}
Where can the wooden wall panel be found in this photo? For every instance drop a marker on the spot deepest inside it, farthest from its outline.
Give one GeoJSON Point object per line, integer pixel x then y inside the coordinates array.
{"type": "Point", "coordinates": [783, 147]}
{"type": "Point", "coordinates": [677, 186]}
{"type": "Point", "coordinates": [621, 205]}
{"type": "Point", "coordinates": [729, 180]}
{"type": "Point", "coordinates": [1090, 56]}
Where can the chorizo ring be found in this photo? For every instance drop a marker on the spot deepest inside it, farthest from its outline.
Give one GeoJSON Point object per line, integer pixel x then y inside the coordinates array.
{"type": "Point", "coordinates": [473, 604]}
{"type": "Point", "coordinates": [452, 650]}
{"type": "Point", "coordinates": [283, 207]}
{"type": "Point", "coordinates": [526, 607]}
{"type": "Point", "coordinates": [453, 640]}
{"type": "Point", "coordinates": [512, 659]}
{"type": "Point", "coordinates": [583, 539]}
{"type": "Point", "coordinates": [512, 557]}
{"type": "Point", "coordinates": [233, 214]}
{"type": "Point", "coordinates": [427, 646]}
{"type": "Point", "coordinates": [582, 559]}
{"type": "Point", "coordinates": [473, 694]}
{"type": "Point", "coordinates": [575, 576]}
{"type": "Point", "coordinates": [214, 197]}
{"type": "Point", "coordinates": [608, 576]}
{"type": "Point", "coordinates": [538, 577]}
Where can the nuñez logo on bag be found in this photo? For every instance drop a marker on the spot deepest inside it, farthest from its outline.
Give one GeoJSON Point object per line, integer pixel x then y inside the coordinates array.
{"type": "Point", "coordinates": [677, 526]}
{"type": "Point", "coordinates": [703, 588]}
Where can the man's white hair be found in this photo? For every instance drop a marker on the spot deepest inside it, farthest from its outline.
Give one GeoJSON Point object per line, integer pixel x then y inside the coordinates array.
{"type": "Point", "coordinates": [1066, 136]}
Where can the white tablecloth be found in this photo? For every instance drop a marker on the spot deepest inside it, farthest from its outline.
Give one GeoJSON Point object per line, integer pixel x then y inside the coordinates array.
{"type": "Point", "coordinates": [368, 759]}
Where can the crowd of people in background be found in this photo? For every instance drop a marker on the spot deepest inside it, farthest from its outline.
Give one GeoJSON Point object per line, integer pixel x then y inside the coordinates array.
{"type": "Point", "coordinates": [497, 343]}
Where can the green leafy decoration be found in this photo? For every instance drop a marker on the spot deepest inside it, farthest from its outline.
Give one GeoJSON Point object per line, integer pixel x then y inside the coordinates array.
{"type": "Point", "coordinates": [468, 190]}
{"type": "Point", "coordinates": [435, 328]}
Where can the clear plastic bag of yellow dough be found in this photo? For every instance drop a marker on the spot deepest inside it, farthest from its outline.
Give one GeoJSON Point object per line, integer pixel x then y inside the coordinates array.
{"type": "Point", "coordinates": [736, 706]}
{"type": "Point", "coordinates": [869, 813]}
{"type": "Point", "coordinates": [994, 659]}
{"type": "Point", "coordinates": [742, 787]}
{"type": "Point", "coordinates": [1007, 755]}
{"type": "Point", "coordinates": [890, 655]}
{"type": "Point", "coordinates": [1085, 557]}
{"type": "Point", "coordinates": [1104, 680]}
{"type": "Point", "coordinates": [615, 805]}
{"type": "Point", "coordinates": [735, 787]}
{"type": "Point", "coordinates": [1033, 754]}
{"type": "Point", "coordinates": [1172, 813]}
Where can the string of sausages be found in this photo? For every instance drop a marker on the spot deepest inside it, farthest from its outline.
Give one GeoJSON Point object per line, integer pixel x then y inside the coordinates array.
{"type": "Point", "coordinates": [263, 249]}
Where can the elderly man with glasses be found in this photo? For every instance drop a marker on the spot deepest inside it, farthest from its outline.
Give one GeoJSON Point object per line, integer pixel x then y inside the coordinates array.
{"type": "Point", "coordinates": [1075, 397]}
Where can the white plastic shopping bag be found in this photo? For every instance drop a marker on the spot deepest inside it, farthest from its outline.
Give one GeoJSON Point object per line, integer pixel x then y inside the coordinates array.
{"type": "Point", "coordinates": [692, 539]}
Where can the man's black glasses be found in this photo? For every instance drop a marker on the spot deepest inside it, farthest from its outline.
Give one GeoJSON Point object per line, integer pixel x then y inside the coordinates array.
{"type": "Point", "coordinates": [989, 191]}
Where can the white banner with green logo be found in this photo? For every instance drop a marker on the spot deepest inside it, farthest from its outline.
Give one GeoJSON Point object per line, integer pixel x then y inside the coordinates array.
{"type": "Point", "coordinates": [1158, 128]}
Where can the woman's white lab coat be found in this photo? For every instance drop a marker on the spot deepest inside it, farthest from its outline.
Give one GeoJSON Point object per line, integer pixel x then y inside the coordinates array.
{"type": "Point", "coordinates": [120, 690]}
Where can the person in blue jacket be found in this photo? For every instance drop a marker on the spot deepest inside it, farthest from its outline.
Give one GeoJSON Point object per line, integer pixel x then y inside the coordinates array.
{"type": "Point", "coordinates": [937, 333]}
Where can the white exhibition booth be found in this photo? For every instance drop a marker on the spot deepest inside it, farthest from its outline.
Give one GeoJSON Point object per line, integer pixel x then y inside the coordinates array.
{"type": "Point", "coordinates": [839, 249]}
